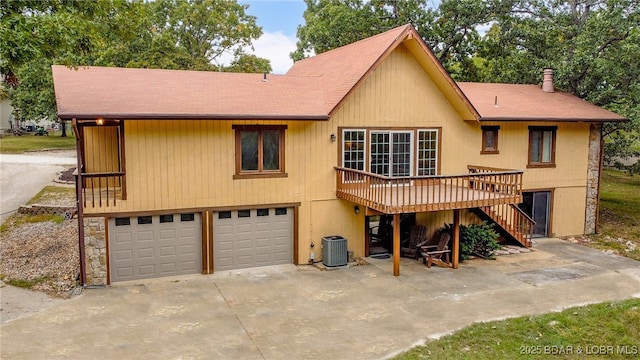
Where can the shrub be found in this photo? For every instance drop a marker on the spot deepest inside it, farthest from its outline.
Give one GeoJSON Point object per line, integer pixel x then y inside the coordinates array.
{"type": "Point", "coordinates": [478, 239]}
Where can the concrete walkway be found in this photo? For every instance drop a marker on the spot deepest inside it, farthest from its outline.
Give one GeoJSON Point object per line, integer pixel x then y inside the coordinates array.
{"type": "Point", "coordinates": [288, 312]}
{"type": "Point", "coordinates": [24, 175]}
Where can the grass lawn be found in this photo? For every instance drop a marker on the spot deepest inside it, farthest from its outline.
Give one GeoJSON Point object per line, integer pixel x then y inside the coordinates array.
{"type": "Point", "coordinates": [20, 144]}
{"type": "Point", "coordinates": [619, 226]}
{"type": "Point", "coordinates": [52, 195]}
{"type": "Point", "coordinates": [607, 330]}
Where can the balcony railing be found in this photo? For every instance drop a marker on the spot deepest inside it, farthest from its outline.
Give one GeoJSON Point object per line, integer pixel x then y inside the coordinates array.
{"type": "Point", "coordinates": [513, 220]}
{"type": "Point", "coordinates": [482, 186]}
{"type": "Point", "coordinates": [102, 189]}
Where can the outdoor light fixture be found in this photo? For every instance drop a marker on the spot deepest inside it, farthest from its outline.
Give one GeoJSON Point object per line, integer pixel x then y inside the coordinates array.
{"type": "Point", "coordinates": [356, 209]}
{"type": "Point", "coordinates": [333, 137]}
{"type": "Point", "coordinates": [100, 121]}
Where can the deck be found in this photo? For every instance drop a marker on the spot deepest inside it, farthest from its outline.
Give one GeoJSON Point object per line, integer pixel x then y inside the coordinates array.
{"type": "Point", "coordinates": [481, 187]}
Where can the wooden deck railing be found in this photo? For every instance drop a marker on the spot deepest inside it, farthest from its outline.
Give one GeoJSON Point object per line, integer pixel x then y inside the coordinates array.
{"type": "Point", "coordinates": [102, 189]}
{"type": "Point", "coordinates": [481, 187]}
{"type": "Point", "coordinates": [513, 220]}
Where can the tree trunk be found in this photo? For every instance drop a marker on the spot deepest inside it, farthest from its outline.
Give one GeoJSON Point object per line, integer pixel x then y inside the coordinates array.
{"type": "Point", "coordinates": [64, 128]}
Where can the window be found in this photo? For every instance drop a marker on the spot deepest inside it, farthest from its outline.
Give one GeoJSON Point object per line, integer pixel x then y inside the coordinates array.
{"type": "Point", "coordinates": [166, 219]}
{"type": "Point", "coordinates": [353, 149]}
{"type": "Point", "coordinates": [490, 140]}
{"type": "Point", "coordinates": [123, 221]}
{"type": "Point", "coordinates": [542, 146]}
{"type": "Point", "coordinates": [244, 213]}
{"type": "Point", "coordinates": [263, 212]}
{"type": "Point", "coordinates": [391, 153]}
{"type": "Point", "coordinates": [281, 211]}
{"type": "Point", "coordinates": [427, 152]}
{"type": "Point", "coordinates": [259, 151]}
{"type": "Point", "coordinates": [142, 220]}
{"type": "Point", "coordinates": [187, 217]}
{"type": "Point", "coordinates": [224, 215]}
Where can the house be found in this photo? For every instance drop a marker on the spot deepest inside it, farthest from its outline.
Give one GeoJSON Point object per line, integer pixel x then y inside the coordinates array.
{"type": "Point", "coordinates": [6, 111]}
{"type": "Point", "coordinates": [194, 172]}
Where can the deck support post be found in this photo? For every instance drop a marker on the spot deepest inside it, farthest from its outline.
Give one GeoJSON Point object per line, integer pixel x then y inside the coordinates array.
{"type": "Point", "coordinates": [396, 244]}
{"type": "Point", "coordinates": [455, 254]}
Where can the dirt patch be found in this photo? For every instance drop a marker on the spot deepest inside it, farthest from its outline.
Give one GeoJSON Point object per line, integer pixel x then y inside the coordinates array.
{"type": "Point", "coordinates": [67, 176]}
{"type": "Point", "coordinates": [41, 256]}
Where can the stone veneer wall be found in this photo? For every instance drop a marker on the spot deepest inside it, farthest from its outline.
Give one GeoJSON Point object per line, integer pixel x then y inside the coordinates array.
{"type": "Point", "coordinates": [95, 245]}
{"type": "Point", "coordinates": [593, 178]}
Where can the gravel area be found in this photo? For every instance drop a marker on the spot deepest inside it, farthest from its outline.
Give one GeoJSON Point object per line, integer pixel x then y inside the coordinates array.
{"type": "Point", "coordinates": [45, 253]}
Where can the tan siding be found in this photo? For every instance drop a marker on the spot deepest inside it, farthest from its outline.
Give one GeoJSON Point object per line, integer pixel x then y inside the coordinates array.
{"type": "Point", "coordinates": [104, 142]}
{"type": "Point", "coordinates": [185, 164]}
{"type": "Point", "coordinates": [568, 205]}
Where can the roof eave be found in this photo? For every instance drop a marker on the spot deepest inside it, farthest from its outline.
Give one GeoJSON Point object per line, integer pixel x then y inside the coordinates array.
{"type": "Point", "coordinates": [549, 119]}
{"type": "Point", "coordinates": [313, 117]}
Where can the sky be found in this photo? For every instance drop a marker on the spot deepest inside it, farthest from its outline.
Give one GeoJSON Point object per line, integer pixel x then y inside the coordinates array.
{"type": "Point", "coordinates": [279, 20]}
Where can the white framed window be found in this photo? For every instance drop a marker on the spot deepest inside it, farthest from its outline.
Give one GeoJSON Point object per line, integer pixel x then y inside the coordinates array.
{"type": "Point", "coordinates": [354, 149]}
{"type": "Point", "coordinates": [427, 152]}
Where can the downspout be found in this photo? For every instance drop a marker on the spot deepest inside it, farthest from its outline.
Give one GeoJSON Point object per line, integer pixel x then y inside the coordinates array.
{"type": "Point", "coordinates": [79, 144]}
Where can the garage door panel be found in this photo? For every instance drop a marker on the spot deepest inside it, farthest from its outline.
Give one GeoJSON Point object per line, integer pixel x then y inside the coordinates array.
{"type": "Point", "coordinates": [123, 255]}
{"type": "Point", "coordinates": [124, 271]}
{"type": "Point", "coordinates": [244, 244]}
{"type": "Point", "coordinates": [167, 234]}
{"type": "Point", "coordinates": [167, 251]}
{"type": "Point", "coordinates": [145, 253]}
{"type": "Point", "coordinates": [168, 268]}
{"type": "Point", "coordinates": [146, 270]}
{"type": "Point", "coordinates": [189, 249]}
{"type": "Point", "coordinates": [156, 249]}
{"type": "Point", "coordinates": [145, 235]}
{"type": "Point", "coordinates": [244, 261]}
{"type": "Point", "coordinates": [260, 239]}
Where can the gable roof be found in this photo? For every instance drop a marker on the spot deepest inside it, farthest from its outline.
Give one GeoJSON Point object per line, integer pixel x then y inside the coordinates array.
{"type": "Point", "coordinates": [311, 90]}
{"type": "Point", "coordinates": [342, 69]}
{"type": "Point", "coordinates": [514, 102]}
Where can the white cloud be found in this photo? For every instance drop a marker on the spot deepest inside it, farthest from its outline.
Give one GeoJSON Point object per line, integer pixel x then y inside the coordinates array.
{"type": "Point", "coordinates": [275, 47]}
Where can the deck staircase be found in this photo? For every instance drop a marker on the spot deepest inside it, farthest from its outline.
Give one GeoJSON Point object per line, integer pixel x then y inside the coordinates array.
{"type": "Point", "coordinates": [512, 222]}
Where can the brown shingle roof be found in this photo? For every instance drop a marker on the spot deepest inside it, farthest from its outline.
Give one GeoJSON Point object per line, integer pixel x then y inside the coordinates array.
{"type": "Point", "coordinates": [530, 103]}
{"type": "Point", "coordinates": [91, 92]}
{"type": "Point", "coordinates": [311, 90]}
{"type": "Point", "coordinates": [342, 68]}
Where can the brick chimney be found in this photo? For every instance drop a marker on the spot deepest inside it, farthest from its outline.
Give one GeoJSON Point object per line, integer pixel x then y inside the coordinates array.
{"type": "Point", "coordinates": [547, 81]}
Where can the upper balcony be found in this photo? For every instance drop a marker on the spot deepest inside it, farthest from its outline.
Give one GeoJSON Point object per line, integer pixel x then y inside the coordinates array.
{"type": "Point", "coordinates": [482, 186]}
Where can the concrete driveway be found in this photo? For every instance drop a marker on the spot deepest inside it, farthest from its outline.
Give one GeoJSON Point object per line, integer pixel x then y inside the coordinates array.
{"type": "Point", "coordinates": [288, 312]}
{"type": "Point", "coordinates": [24, 175]}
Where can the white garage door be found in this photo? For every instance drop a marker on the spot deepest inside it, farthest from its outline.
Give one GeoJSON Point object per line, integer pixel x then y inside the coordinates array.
{"type": "Point", "coordinates": [252, 238]}
{"type": "Point", "coordinates": [154, 246]}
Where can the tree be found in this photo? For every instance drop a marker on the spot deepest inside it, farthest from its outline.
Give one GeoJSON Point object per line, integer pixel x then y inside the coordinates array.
{"type": "Point", "coordinates": [207, 29]}
{"type": "Point", "coordinates": [167, 34]}
{"type": "Point", "coordinates": [249, 64]}
{"type": "Point", "coordinates": [449, 30]}
{"type": "Point", "coordinates": [592, 45]}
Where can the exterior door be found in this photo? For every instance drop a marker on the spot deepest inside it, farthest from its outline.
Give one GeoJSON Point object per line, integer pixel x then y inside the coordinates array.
{"type": "Point", "coordinates": [252, 238]}
{"type": "Point", "coordinates": [142, 247]}
{"type": "Point", "coordinates": [538, 206]}
{"type": "Point", "coordinates": [391, 153]}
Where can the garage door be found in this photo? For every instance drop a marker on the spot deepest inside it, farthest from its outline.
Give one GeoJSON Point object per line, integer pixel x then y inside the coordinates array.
{"type": "Point", "coordinates": [155, 246]}
{"type": "Point", "coordinates": [251, 238]}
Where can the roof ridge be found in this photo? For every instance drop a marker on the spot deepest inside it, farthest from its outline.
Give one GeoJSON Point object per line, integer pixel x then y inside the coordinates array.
{"type": "Point", "coordinates": [357, 43]}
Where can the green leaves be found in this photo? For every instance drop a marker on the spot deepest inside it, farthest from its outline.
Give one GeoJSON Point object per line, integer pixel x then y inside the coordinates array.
{"type": "Point", "coordinates": [166, 34]}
